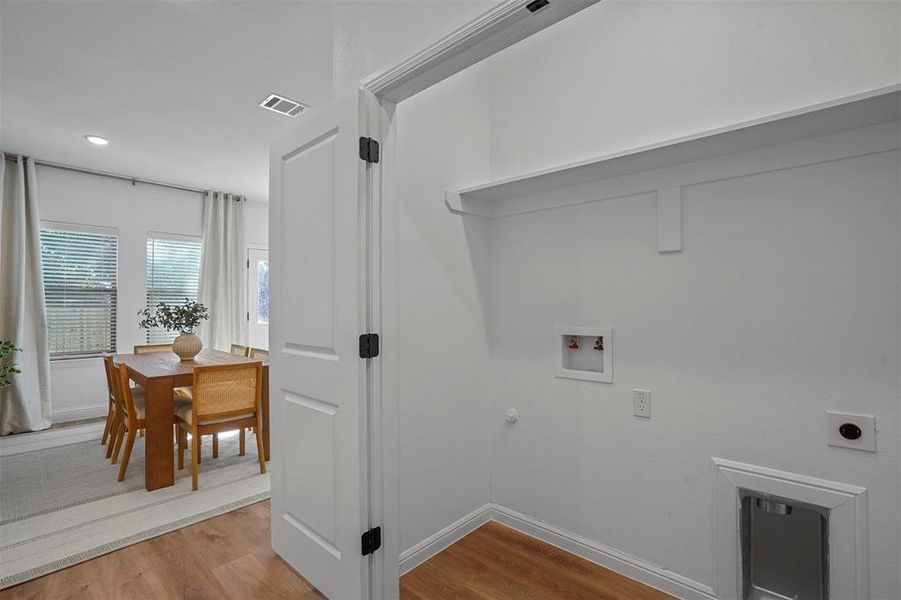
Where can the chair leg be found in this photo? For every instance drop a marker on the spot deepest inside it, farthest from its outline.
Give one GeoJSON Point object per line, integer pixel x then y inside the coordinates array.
{"type": "Point", "coordinates": [142, 432]}
{"type": "Point", "coordinates": [109, 422]}
{"type": "Point", "coordinates": [195, 459]}
{"type": "Point", "coordinates": [242, 442]}
{"type": "Point", "coordinates": [129, 444]}
{"type": "Point", "coordinates": [120, 435]}
{"type": "Point", "coordinates": [113, 433]}
{"type": "Point", "coordinates": [215, 445]}
{"type": "Point", "coordinates": [182, 441]}
{"type": "Point", "coordinates": [260, 452]}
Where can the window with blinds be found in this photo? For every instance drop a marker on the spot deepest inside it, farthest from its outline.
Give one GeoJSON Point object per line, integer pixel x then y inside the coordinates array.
{"type": "Point", "coordinates": [172, 274]}
{"type": "Point", "coordinates": [79, 269]}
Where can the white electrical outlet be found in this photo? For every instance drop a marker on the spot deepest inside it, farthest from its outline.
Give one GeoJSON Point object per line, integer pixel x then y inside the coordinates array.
{"type": "Point", "coordinates": [851, 430]}
{"type": "Point", "coordinates": [641, 403]}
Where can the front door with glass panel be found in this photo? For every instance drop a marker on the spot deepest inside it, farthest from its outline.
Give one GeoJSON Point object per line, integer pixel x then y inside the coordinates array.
{"type": "Point", "coordinates": [258, 298]}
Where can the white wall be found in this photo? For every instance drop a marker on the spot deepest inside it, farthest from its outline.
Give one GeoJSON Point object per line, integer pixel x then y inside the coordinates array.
{"type": "Point", "coordinates": [441, 346]}
{"type": "Point", "coordinates": [78, 386]}
{"type": "Point", "coordinates": [785, 301]}
{"type": "Point", "coordinates": [782, 305]}
{"type": "Point", "coordinates": [623, 74]}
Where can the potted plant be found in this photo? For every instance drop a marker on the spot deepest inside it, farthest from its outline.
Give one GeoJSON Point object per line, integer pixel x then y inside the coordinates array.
{"type": "Point", "coordinates": [182, 318]}
{"type": "Point", "coordinates": [7, 370]}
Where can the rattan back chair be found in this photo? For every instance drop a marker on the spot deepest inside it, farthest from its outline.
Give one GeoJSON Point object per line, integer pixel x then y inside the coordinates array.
{"type": "Point", "coordinates": [153, 348]}
{"type": "Point", "coordinates": [225, 397]}
{"type": "Point", "coordinates": [240, 350]}
{"type": "Point", "coordinates": [258, 353]}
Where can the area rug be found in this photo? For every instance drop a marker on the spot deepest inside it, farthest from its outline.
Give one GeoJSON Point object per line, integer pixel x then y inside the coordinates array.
{"type": "Point", "coordinates": [60, 503]}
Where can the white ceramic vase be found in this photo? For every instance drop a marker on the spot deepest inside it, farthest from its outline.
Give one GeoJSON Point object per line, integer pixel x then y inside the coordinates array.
{"type": "Point", "coordinates": [187, 345]}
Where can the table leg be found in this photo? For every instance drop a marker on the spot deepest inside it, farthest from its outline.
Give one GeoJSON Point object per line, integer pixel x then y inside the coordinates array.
{"type": "Point", "coordinates": [158, 468]}
{"type": "Point", "coordinates": [265, 403]}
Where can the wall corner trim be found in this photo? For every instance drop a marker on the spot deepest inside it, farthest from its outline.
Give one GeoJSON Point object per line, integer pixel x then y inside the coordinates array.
{"type": "Point", "coordinates": [416, 555]}
{"type": "Point", "coordinates": [625, 564]}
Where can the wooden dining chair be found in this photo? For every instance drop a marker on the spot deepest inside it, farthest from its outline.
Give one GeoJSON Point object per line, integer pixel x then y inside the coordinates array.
{"type": "Point", "coordinates": [226, 397]}
{"type": "Point", "coordinates": [111, 412]}
{"type": "Point", "coordinates": [253, 353]}
{"type": "Point", "coordinates": [239, 349]}
{"type": "Point", "coordinates": [130, 414]}
{"type": "Point", "coordinates": [153, 348]}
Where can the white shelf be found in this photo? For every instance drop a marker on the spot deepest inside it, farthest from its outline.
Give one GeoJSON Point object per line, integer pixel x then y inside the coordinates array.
{"type": "Point", "coordinates": [877, 106]}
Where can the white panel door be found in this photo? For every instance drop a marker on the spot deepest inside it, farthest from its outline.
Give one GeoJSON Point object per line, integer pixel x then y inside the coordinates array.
{"type": "Point", "coordinates": [319, 189]}
{"type": "Point", "coordinates": [258, 298]}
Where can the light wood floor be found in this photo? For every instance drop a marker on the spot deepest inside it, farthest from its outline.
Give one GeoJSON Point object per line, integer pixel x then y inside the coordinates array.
{"type": "Point", "coordinates": [229, 557]}
{"type": "Point", "coordinates": [495, 562]}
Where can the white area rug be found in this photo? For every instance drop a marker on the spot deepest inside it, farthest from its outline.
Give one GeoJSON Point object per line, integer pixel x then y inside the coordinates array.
{"type": "Point", "coordinates": [60, 503]}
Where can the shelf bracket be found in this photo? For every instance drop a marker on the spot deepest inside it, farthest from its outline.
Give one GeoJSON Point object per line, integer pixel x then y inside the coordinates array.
{"type": "Point", "coordinates": [669, 219]}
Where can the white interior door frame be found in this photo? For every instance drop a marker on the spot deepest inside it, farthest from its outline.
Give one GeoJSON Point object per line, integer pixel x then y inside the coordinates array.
{"type": "Point", "coordinates": [501, 27]}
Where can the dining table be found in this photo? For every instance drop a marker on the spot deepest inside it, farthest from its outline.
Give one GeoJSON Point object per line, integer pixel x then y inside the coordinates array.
{"type": "Point", "coordinates": [159, 373]}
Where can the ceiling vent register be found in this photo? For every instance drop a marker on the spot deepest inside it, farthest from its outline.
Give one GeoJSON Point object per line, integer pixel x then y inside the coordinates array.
{"type": "Point", "coordinates": [283, 106]}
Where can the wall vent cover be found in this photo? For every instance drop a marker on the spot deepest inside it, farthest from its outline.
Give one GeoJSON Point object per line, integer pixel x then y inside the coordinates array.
{"type": "Point", "coordinates": [283, 106]}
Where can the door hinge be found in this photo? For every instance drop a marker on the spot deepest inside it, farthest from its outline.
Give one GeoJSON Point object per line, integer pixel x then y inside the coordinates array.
{"type": "Point", "coordinates": [248, 263]}
{"type": "Point", "coordinates": [369, 345]}
{"type": "Point", "coordinates": [369, 150]}
{"type": "Point", "coordinates": [248, 316]}
{"type": "Point", "coordinates": [371, 540]}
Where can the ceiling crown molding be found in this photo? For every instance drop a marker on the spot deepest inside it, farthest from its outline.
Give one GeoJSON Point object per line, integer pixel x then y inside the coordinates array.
{"type": "Point", "coordinates": [499, 28]}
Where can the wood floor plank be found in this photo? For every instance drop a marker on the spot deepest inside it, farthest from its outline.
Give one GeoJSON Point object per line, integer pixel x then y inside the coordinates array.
{"type": "Point", "coordinates": [229, 537]}
{"type": "Point", "coordinates": [189, 563]}
{"type": "Point", "coordinates": [495, 562]}
{"type": "Point", "coordinates": [536, 573]}
{"type": "Point", "coordinates": [247, 577]}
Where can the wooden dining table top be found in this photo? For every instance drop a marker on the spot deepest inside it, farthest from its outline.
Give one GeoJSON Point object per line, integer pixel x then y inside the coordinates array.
{"type": "Point", "coordinates": [154, 365]}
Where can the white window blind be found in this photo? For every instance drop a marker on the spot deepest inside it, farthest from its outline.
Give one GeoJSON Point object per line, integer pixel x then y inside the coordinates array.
{"type": "Point", "coordinates": [172, 273]}
{"type": "Point", "coordinates": [79, 269]}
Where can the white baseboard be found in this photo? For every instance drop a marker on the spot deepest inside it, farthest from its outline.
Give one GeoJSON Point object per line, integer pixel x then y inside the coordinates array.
{"type": "Point", "coordinates": [77, 414]}
{"type": "Point", "coordinates": [432, 545]}
{"type": "Point", "coordinates": [625, 564]}
{"type": "Point", "coordinates": [50, 438]}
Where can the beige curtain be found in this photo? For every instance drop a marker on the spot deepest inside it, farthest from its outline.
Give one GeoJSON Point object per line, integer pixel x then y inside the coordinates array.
{"type": "Point", "coordinates": [24, 405]}
{"type": "Point", "coordinates": [222, 287]}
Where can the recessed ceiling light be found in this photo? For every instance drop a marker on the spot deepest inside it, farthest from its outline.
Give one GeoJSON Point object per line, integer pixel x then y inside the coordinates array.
{"type": "Point", "coordinates": [97, 140]}
{"type": "Point", "coordinates": [283, 106]}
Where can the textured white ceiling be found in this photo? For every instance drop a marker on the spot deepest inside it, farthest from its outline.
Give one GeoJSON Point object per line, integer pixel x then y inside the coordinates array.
{"type": "Point", "coordinates": [175, 85]}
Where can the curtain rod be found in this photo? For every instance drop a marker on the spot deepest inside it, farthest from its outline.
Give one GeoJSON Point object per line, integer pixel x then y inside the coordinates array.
{"type": "Point", "coordinates": [133, 180]}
